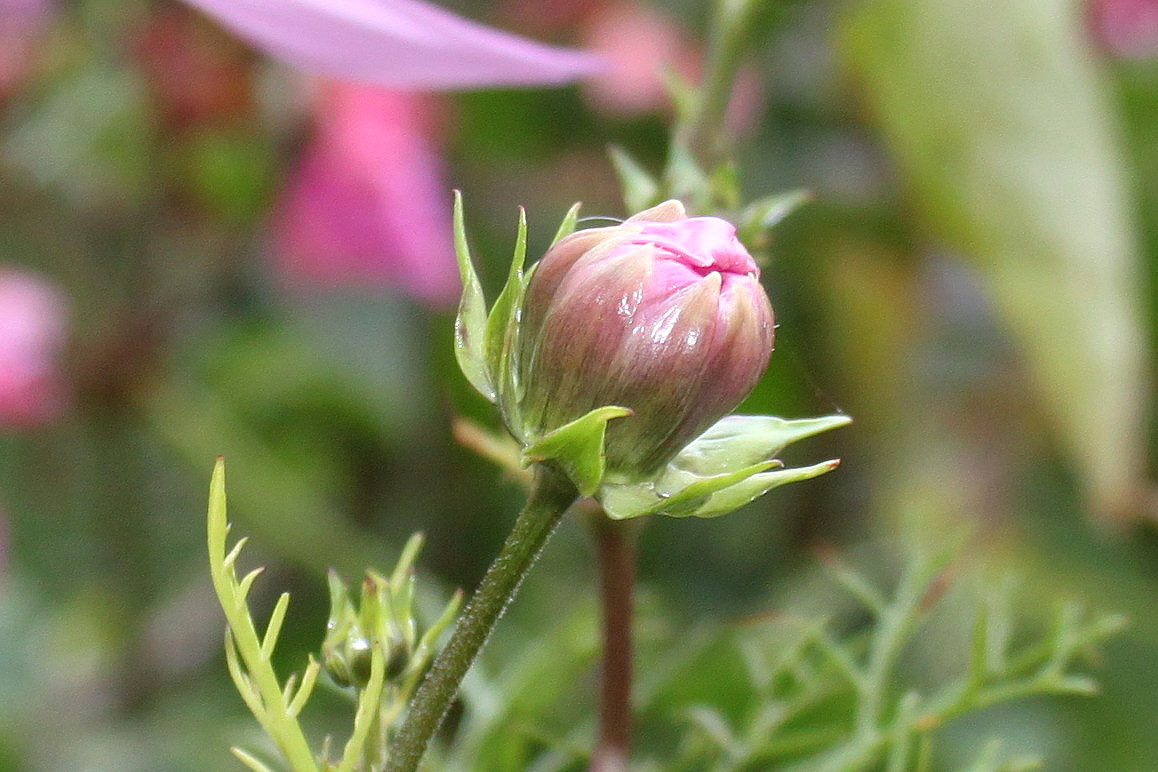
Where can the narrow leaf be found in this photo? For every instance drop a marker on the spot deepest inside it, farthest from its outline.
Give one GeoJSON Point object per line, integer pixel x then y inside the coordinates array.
{"type": "Point", "coordinates": [246, 584]}
{"type": "Point", "coordinates": [405, 565]}
{"type": "Point", "coordinates": [309, 680]}
{"type": "Point", "coordinates": [640, 190]}
{"type": "Point", "coordinates": [273, 630]}
{"type": "Point", "coordinates": [249, 760]}
{"type": "Point", "coordinates": [231, 559]}
{"type": "Point", "coordinates": [766, 213]}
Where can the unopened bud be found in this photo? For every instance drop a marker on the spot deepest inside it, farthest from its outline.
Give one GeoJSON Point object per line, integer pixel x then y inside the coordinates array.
{"type": "Point", "coordinates": [663, 314]}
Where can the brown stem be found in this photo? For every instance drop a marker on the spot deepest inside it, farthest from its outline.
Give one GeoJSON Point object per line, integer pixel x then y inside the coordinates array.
{"type": "Point", "coordinates": [615, 546]}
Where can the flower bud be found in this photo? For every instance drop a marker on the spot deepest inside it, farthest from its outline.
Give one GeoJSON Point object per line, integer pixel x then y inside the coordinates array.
{"type": "Point", "coordinates": [663, 314]}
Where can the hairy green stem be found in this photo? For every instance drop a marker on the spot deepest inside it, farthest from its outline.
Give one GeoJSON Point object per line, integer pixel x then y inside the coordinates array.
{"type": "Point", "coordinates": [551, 495]}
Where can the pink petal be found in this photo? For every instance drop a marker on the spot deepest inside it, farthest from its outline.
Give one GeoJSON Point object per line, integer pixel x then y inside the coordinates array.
{"type": "Point", "coordinates": [21, 22]}
{"type": "Point", "coordinates": [367, 203]}
{"type": "Point", "coordinates": [1127, 28]}
{"type": "Point", "coordinates": [32, 337]}
{"type": "Point", "coordinates": [398, 43]}
{"type": "Point", "coordinates": [24, 14]}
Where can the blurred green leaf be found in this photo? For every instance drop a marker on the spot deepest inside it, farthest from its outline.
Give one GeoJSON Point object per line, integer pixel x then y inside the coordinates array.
{"type": "Point", "coordinates": [1005, 131]}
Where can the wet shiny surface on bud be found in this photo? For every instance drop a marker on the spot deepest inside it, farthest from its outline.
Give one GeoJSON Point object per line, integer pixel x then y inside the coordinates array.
{"type": "Point", "coordinates": [664, 314]}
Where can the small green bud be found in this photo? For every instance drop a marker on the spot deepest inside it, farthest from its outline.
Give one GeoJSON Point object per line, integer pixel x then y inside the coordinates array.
{"type": "Point", "coordinates": [353, 633]}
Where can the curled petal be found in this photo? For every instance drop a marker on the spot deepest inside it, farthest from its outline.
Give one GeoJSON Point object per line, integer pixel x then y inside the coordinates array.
{"type": "Point", "coordinates": [398, 43]}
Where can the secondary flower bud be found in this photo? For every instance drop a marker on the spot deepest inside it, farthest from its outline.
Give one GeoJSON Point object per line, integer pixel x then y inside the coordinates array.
{"type": "Point", "coordinates": [663, 314]}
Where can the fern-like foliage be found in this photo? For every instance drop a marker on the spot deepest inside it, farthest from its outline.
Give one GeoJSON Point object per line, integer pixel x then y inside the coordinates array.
{"type": "Point", "coordinates": [372, 650]}
{"type": "Point", "coordinates": [823, 702]}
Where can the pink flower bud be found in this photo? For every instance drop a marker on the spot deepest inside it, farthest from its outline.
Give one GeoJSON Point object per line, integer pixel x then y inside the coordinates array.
{"type": "Point", "coordinates": [663, 314]}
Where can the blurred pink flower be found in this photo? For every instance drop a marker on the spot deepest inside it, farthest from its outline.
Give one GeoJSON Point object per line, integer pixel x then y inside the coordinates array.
{"type": "Point", "coordinates": [396, 43]}
{"type": "Point", "coordinates": [641, 44]}
{"type": "Point", "coordinates": [367, 203]}
{"type": "Point", "coordinates": [21, 22]}
{"type": "Point", "coordinates": [32, 338]}
{"type": "Point", "coordinates": [1127, 27]}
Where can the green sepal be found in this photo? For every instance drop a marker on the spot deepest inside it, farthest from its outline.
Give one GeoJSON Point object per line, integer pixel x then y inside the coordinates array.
{"type": "Point", "coordinates": [577, 447]}
{"type": "Point", "coordinates": [470, 325]}
{"type": "Point", "coordinates": [739, 441]}
{"type": "Point", "coordinates": [685, 178]}
{"type": "Point", "coordinates": [567, 227]}
{"type": "Point", "coordinates": [725, 186]}
{"type": "Point", "coordinates": [502, 328]}
{"type": "Point", "coordinates": [725, 468]}
{"type": "Point", "coordinates": [640, 189]}
{"type": "Point", "coordinates": [704, 497]}
{"type": "Point", "coordinates": [748, 490]}
{"type": "Point", "coordinates": [686, 500]}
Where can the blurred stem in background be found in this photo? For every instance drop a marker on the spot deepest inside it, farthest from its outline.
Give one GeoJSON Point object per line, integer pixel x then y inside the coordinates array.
{"type": "Point", "coordinates": [615, 548]}
{"type": "Point", "coordinates": [699, 142]}
{"type": "Point", "coordinates": [733, 33]}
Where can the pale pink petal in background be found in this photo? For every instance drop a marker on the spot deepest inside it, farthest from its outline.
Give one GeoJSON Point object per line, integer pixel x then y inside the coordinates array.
{"type": "Point", "coordinates": [32, 337]}
{"type": "Point", "coordinates": [367, 204]}
{"type": "Point", "coordinates": [21, 22]}
{"type": "Point", "coordinates": [396, 43]}
{"type": "Point", "coordinates": [641, 44]}
{"type": "Point", "coordinates": [1127, 28]}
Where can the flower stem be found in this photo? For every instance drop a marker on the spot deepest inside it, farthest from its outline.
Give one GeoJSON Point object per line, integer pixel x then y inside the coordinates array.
{"type": "Point", "coordinates": [731, 38]}
{"type": "Point", "coordinates": [615, 546]}
{"type": "Point", "coordinates": [551, 495]}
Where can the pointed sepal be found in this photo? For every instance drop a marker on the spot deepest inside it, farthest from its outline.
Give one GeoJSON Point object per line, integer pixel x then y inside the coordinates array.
{"type": "Point", "coordinates": [762, 215]}
{"type": "Point", "coordinates": [577, 447]}
{"type": "Point", "coordinates": [704, 497]}
{"type": "Point", "coordinates": [567, 227]}
{"type": "Point", "coordinates": [470, 325]}
{"type": "Point", "coordinates": [726, 467]}
{"type": "Point", "coordinates": [502, 329]}
{"type": "Point", "coordinates": [738, 441]}
{"type": "Point", "coordinates": [640, 189]}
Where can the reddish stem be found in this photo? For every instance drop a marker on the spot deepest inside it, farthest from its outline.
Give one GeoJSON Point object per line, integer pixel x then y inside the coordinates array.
{"type": "Point", "coordinates": [615, 546]}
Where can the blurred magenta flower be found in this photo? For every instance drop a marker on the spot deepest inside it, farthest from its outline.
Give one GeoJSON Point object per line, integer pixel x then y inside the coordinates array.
{"type": "Point", "coordinates": [1127, 28]}
{"type": "Point", "coordinates": [32, 338]}
{"type": "Point", "coordinates": [396, 43]}
{"type": "Point", "coordinates": [366, 203]}
{"type": "Point", "coordinates": [21, 22]}
{"type": "Point", "coordinates": [641, 45]}
{"type": "Point", "coordinates": [664, 314]}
